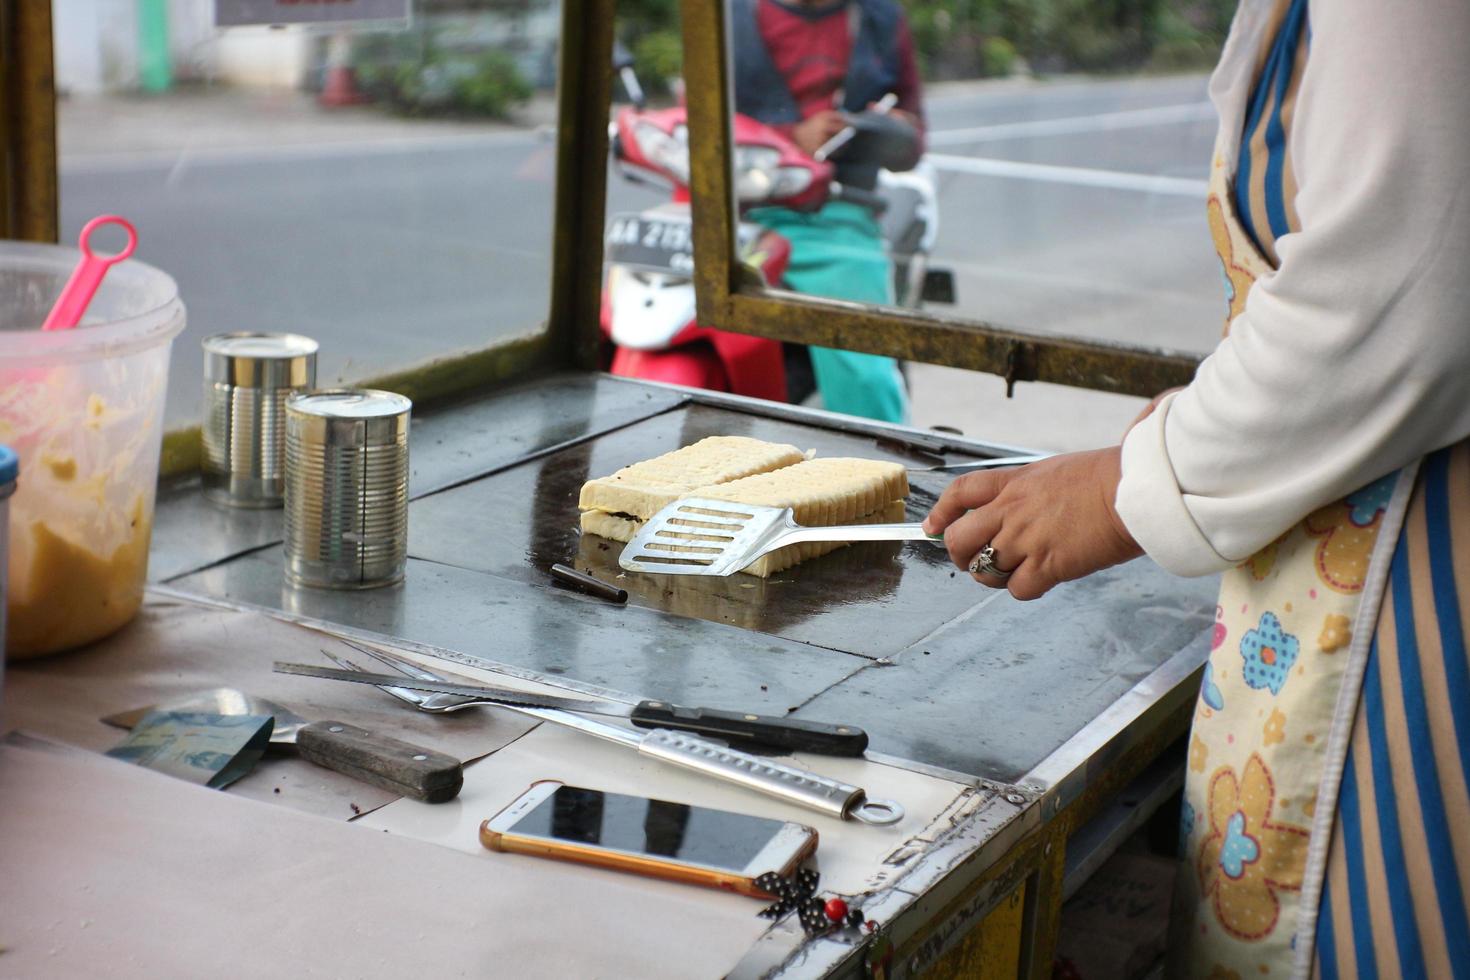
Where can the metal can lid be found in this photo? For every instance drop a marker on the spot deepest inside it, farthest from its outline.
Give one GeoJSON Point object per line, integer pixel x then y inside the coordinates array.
{"type": "Point", "coordinates": [349, 403]}
{"type": "Point", "coordinates": [9, 465]}
{"type": "Point", "coordinates": [260, 360]}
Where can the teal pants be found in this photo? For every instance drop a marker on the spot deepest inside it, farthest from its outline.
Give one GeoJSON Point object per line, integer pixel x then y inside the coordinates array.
{"type": "Point", "coordinates": [838, 252]}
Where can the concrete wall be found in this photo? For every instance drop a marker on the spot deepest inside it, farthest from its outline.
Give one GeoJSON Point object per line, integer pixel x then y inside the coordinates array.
{"type": "Point", "coordinates": [97, 45]}
{"type": "Point", "coordinates": [263, 58]}
{"type": "Point", "coordinates": [97, 48]}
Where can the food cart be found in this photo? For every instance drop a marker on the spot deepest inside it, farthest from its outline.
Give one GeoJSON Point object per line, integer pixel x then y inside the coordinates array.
{"type": "Point", "coordinates": [1025, 740]}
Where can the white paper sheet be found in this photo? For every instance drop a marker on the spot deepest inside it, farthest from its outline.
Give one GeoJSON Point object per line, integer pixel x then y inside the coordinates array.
{"type": "Point", "coordinates": [114, 871]}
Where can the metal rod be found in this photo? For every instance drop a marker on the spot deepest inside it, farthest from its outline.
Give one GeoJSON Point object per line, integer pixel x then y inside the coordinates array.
{"type": "Point", "coordinates": [583, 582]}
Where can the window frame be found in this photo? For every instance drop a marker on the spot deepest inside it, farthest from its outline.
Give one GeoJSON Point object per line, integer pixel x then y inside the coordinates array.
{"type": "Point", "coordinates": [730, 297]}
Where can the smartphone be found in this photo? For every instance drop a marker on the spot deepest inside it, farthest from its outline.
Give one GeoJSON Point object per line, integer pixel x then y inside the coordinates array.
{"type": "Point", "coordinates": [675, 841]}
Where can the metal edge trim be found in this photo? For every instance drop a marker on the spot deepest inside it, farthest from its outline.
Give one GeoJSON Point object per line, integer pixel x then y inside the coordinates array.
{"type": "Point", "coordinates": [901, 911]}
{"type": "Point", "coordinates": [927, 439]}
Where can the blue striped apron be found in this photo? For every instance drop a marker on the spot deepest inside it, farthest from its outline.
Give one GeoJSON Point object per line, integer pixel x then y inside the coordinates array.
{"type": "Point", "coordinates": [1326, 819]}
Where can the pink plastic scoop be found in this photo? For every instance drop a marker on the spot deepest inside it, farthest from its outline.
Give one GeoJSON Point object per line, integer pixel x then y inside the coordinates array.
{"type": "Point", "coordinates": [87, 276]}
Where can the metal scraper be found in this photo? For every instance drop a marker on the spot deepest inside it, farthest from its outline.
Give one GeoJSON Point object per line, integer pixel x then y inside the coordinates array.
{"type": "Point", "coordinates": [697, 536]}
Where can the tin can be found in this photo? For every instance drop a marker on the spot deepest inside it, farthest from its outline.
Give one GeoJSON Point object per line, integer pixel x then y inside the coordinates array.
{"type": "Point", "coordinates": [247, 377]}
{"type": "Point", "coordinates": [346, 488]}
{"type": "Point", "coordinates": [9, 473]}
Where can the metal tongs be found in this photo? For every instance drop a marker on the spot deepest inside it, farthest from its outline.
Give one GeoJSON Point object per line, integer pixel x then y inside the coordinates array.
{"type": "Point", "coordinates": [808, 789]}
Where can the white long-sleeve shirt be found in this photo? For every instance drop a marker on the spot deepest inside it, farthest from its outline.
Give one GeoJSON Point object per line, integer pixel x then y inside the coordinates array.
{"type": "Point", "coordinates": [1353, 357]}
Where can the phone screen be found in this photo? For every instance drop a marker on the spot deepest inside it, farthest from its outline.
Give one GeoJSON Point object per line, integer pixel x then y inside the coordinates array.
{"type": "Point", "coordinates": [636, 825]}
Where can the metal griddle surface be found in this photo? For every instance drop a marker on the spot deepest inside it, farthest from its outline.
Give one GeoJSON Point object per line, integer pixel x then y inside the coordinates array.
{"type": "Point", "coordinates": [872, 599]}
{"type": "Point", "coordinates": [938, 669]}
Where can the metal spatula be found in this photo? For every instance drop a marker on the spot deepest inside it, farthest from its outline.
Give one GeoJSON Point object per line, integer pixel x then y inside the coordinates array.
{"type": "Point", "coordinates": [696, 536]}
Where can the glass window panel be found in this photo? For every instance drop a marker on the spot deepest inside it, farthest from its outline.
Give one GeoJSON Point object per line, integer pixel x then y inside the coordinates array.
{"type": "Point", "coordinates": [388, 192]}
{"type": "Point", "coordinates": [1068, 142]}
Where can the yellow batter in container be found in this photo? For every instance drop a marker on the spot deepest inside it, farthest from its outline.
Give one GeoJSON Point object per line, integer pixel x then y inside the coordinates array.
{"type": "Point", "coordinates": [83, 409]}
{"type": "Point", "coordinates": [66, 594]}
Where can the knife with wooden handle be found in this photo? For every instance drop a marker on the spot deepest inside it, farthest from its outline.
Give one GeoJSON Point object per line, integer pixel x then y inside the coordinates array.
{"type": "Point", "coordinates": [387, 763]}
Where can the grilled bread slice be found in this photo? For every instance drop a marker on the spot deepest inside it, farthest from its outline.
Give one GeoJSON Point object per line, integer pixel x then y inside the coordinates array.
{"type": "Point", "coordinates": [610, 526]}
{"type": "Point", "coordinates": [820, 492]}
{"type": "Point", "coordinates": [639, 491]}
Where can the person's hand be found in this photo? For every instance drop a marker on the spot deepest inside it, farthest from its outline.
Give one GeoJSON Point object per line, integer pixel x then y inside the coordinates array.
{"type": "Point", "coordinates": [1149, 409]}
{"type": "Point", "coordinates": [1048, 523]}
{"type": "Point", "coordinates": [903, 115]}
{"type": "Point", "coordinates": [816, 129]}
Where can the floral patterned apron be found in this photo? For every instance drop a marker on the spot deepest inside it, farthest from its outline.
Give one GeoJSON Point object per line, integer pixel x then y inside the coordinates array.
{"type": "Point", "coordinates": [1326, 820]}
{"type": "Point", "coordinates": [1326, 816]}
{"type": "Point", "coordinates": [1283, 762]}
{"type": "Point", "coordinates": [1262, 735]}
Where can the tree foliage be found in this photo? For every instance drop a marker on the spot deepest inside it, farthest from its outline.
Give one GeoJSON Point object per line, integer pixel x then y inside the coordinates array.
{"type": "Point", "coordinates": [650, 29]}
{"type": "Point", "coordinates": [416, 74]}
{"type": "Point", "coordinates": [975, 38]}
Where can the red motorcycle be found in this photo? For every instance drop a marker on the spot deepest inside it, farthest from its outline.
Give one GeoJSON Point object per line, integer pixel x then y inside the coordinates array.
{"type": "Point", "coordinates": [648, 310]}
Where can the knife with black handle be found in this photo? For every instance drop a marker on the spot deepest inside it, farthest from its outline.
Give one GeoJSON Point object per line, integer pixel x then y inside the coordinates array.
{"type": "Point", "coordinates": [746, 730]}
{"type": "Point", "coordinates": [741, 728]}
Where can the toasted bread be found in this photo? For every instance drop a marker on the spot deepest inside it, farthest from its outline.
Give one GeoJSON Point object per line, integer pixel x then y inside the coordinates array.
{"type": "Point", "coordinates": [643, 489]}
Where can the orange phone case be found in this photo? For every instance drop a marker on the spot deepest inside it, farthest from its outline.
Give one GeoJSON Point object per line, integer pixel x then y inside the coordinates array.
{"type": "Point", "coordinates": [652, 867]}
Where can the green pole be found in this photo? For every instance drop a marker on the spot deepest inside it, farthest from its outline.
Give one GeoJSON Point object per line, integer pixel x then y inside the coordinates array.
{"type": "Point", "coordinates": [155, 73]}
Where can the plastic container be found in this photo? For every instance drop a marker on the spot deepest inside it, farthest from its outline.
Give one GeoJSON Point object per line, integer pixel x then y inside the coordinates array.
{"type": "Point", "coordinates": [83, 409]}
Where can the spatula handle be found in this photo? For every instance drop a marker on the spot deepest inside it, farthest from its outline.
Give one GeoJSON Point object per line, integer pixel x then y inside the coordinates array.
{"type": "Point", "coordinates": [399, 767]}
{"type": "Point", "coordinates": [997, 462]}
{"type": "Point", "coordinates": [859, 532]}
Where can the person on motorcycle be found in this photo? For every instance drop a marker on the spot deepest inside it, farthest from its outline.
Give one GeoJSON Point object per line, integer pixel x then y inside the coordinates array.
{"type": "Point", "coordinates": [806, 67]}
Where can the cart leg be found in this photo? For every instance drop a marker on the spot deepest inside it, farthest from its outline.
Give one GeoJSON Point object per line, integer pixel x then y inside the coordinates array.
{"type": "Point", "coordinates": [992, 950]}
{"type": "Point", "coordinates": [1043, 914]}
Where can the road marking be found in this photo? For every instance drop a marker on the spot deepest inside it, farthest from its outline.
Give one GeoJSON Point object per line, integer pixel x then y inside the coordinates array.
{"type": "Point", "coordinates": [206, 156]}
{"type": "Point", "coordinates": [1101, 122]}
{"type": "Point", "coordinates": [1077, 176]}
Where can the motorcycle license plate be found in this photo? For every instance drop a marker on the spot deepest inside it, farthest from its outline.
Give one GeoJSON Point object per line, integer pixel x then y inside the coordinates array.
{"type": "Point", "coordinates": [659, 243]}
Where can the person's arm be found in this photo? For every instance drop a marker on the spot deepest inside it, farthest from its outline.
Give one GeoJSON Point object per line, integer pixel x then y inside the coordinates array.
{"type": "Point", "coordinates": [1354, 357]}
{"type": "Point", "coordinates": [1351, 360]}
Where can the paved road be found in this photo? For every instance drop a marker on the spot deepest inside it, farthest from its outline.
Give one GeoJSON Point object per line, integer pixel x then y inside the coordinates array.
{"type": "Point", "coordinates": [1071, 207]}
